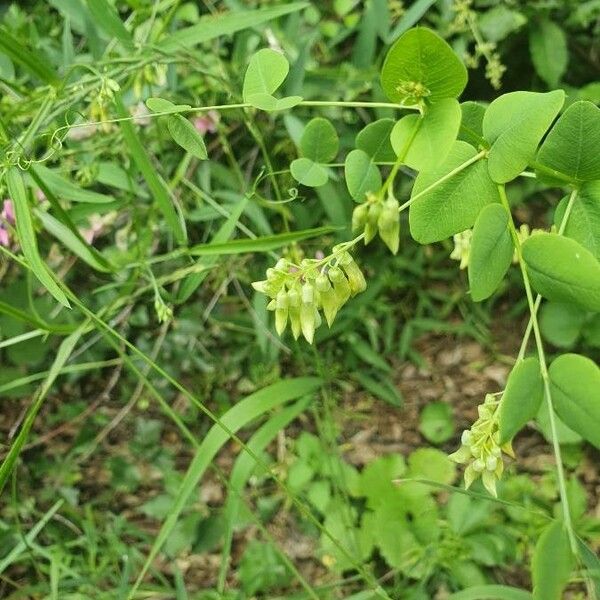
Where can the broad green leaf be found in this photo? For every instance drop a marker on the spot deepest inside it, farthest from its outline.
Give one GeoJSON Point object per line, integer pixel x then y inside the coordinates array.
{"type": "Point", "coordinates": [575, 386]}
{"type": "Point", "coordinates": [551, 564]}
{"type": "Point", "coordinates": [514, 125]}
{"type": "Point", "coordinates": [157, 186]}
{"type": "Point", "coordinates": [454, 205]}
{"type": "Point", "coordinates": [319, 141]}
{"type": "Point", "coordinates": [374, 139]}
{"type": "Point", "coordinates": [431, 464]}
{"type": "Point", "coordinates": [561, 324]}
{"type": "Point", "coordinates": [522, 397]}
{"type": "Point", "coordinates": [491, 592]}
{"type": "Point", "coordinates": [269, 103]}
{"type": "Point", "coordinates": [261, 244]}
{"type": "Point", "coordinates": [308, 172]}
{"type": "Point", "coordinates": [499, 22]}
{"type": "Point", "coordinates": [548, 49]}
{"type": "Point", "coordinates": [428, 138]}
{"type": "Point", "coordinates": [471, 125]}
{"type": "Point", "coordinates": [583, 224]}
{"type": "Point", "coordinates": [66, 190]}
{"type": "Point", "coordinates": [266, 71]}
{"type": "Point", "coordinates": [26, 233]}
{"type": "Point", "coordinates": [564, 434]}
{"type": "Point", "coordinates": [421, 57]}
{"type": "Point", "coordinates": [491, 251]}
{"type": "Point", "coordinates": [571, 146]}
{"type": "Point", "coordinates": [362, 176]}
{"type": "Point", "coordinates": [562, 270]}
{"type": "Point", "coordinates": [107, 18]}
{"type": "Point", "coordinates": [160, 105]}
{"type": "Point", "coordinates": [376, 479]}
{"type": "Point", "coordinates": [33, 62]}
{"type": "Point", "coordinates": [214, 26]}
{"type": "Point", "coordinates": [187, 136]}
{"type": "Point", "coordinates": [437, 422]}
{"type": "Point", "coordinates": [240, 415]}
{"type": "Point", "coordinates": [592, 563]}
{"type": "Point", "coordinates": [65, 236]}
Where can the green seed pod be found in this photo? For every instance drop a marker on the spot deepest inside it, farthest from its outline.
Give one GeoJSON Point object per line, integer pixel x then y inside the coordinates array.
{"type": "Point", "coordinates": [322, 283]}
{"type": "Point", "coordinates": [341, 286]}
{"type": "Point", "coordinates": [489, 481]}
{"type": "Point", "coordinates": [388, 224]}
{"type": "Point", "coordinates": [372, 218]}
{"type": "Point", "coordinates": [294, 298]}
{"type": "Point", "coordinates": [330, 303]}
{"type": "Point", "coordinates": [359, 217]}
{"type": "Point", "coordinates": [294, 315]}
{"type": "Point", "coordinates": [356, 279]}
{"type": "Point", "coordinates": [308, 293]}
{"type": "Point", "coordinates": [307, 322]}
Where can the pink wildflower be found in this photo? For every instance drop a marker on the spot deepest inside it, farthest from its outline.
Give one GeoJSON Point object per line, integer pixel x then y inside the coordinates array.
{"type": "Point", "coordinates": [208, 122]}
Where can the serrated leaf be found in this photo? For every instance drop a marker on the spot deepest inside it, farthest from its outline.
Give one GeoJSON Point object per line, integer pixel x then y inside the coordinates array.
{"type": "Point", "coordinates": [549, 53]}
{"type": "Point", "coordinates": [421, 56]}
{"type": "Point", "coordinates": [319, 141]}
{"type": "Point", "coordinates": [308, 172]}
{"type": "Point", "coordinates": [437, 131]}
{"type": "Point", "coordinates": [562, 270]}
{"type": "Point", "coordinates": [522, 397]}
{"type": "Point", "coordinates": [454, 205]}
{"type": "Point", "coordinates": [575, 387]}
{"type": "Point", "coordinates": [514, 125]}
{"type": "Point", "coordinates": [571, 146]}
{"type": "Point", "coordinates": [374, 139]}
{"type": "Point", "coordinates": [187, 136]}
{"type": "Point", "coordinates": [491, 251]}
{"type": "Point", "coordinates": [551, 564]}
{"type": "Point", "coordinates": [361, 175]}
{"type": "Point", "coordinates": [26, 234]}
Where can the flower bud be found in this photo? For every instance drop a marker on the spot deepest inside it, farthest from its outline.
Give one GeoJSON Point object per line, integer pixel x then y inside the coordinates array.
{"type": "Point", "coordinates": [372, 218]}
{"type": "Point", "coordinates": [307, 322]}
{"type": "Point", "coordinates": [322, 283]}
{"type": "Point", "coordinates": [295, 322]}
{"type": "Point", "coordinates": [465, 438]}
{"type": "Point", "coordinates": [294, 298]}
{"type": "Point", "coordinates": [491, 463]}
{"type": "Point", "coordinates": [341, 286]}
{"type": "Point", "coordinates": [356, 279]}
{"type": "Point", "coordinates": [388, 224]}
{"type": "Point", "coordinates": [359, 217]}
{"type": "Point", "coordinates": [478, 465]}
{"type": "Point", "coordinates": [330, 304]}
{"type": "Point", "coordinates": [308, 293]}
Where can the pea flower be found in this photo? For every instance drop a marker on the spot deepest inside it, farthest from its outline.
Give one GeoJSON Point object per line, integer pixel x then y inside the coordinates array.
{"type": "Point", "coordinates": [462, 247]}
{"type": "Point", "coordinates": [480, 449]}
{"type": "Point", "coordinates": [301, 292]}
{"type": "Point", "coordinates": [7, 218]}
{"type": "Point", "coordinates": [208, 122]}
{"type": "Point", "coordinates": [377, 216]}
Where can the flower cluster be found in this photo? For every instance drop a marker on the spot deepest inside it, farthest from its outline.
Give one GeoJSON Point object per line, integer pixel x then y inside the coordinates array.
{"type": "Point", "coordinates": [100, 99]}
{"type": "Point", "coordinates": [376, 216]}
{"type": "Point", "coordinates": [299, 292]}
{"type": "Point", "coordinates": [462, 247]}
{"type": "Point", "coordinates": [480, 449]}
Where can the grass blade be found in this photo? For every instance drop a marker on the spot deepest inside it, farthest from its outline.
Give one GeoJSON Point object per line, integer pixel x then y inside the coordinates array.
{"type": "Point", "coordinates": [27, 238]}
{"type": "Point", "coordinates": [240, 415]}
{"type": "Point", "coordinates": [191, 283]}
{"type": "Point", "coordinates": [147, 169]}
{"type": "Point", "coordinates": [242, 469]}
{"type": "Point", "coordinates": [107, 18]}
{"type": "Point", "coordinates": [64, 351]}
{"type": "Point", "coordinates": [492, 592]}
{"type": "Point", "coordinates": [31, 61]}
{"type": "Point", "coordinates": [262, 244]}
{"type": "Point", "coordinates": [65, 189]}
{"type": "Point", "coordinates": [209, 28]}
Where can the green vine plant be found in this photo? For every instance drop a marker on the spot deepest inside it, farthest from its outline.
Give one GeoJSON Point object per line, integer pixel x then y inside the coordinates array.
{"type": "Point", "coordinates": [464, 155]}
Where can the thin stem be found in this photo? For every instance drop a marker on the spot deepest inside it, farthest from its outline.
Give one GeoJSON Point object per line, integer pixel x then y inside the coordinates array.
{"type": "Point", "coordinates": [443, 179]}
{"type": "Point", "coordinates": [538, 300]}
{"type": "Point", "coordinates": [544, 372]}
